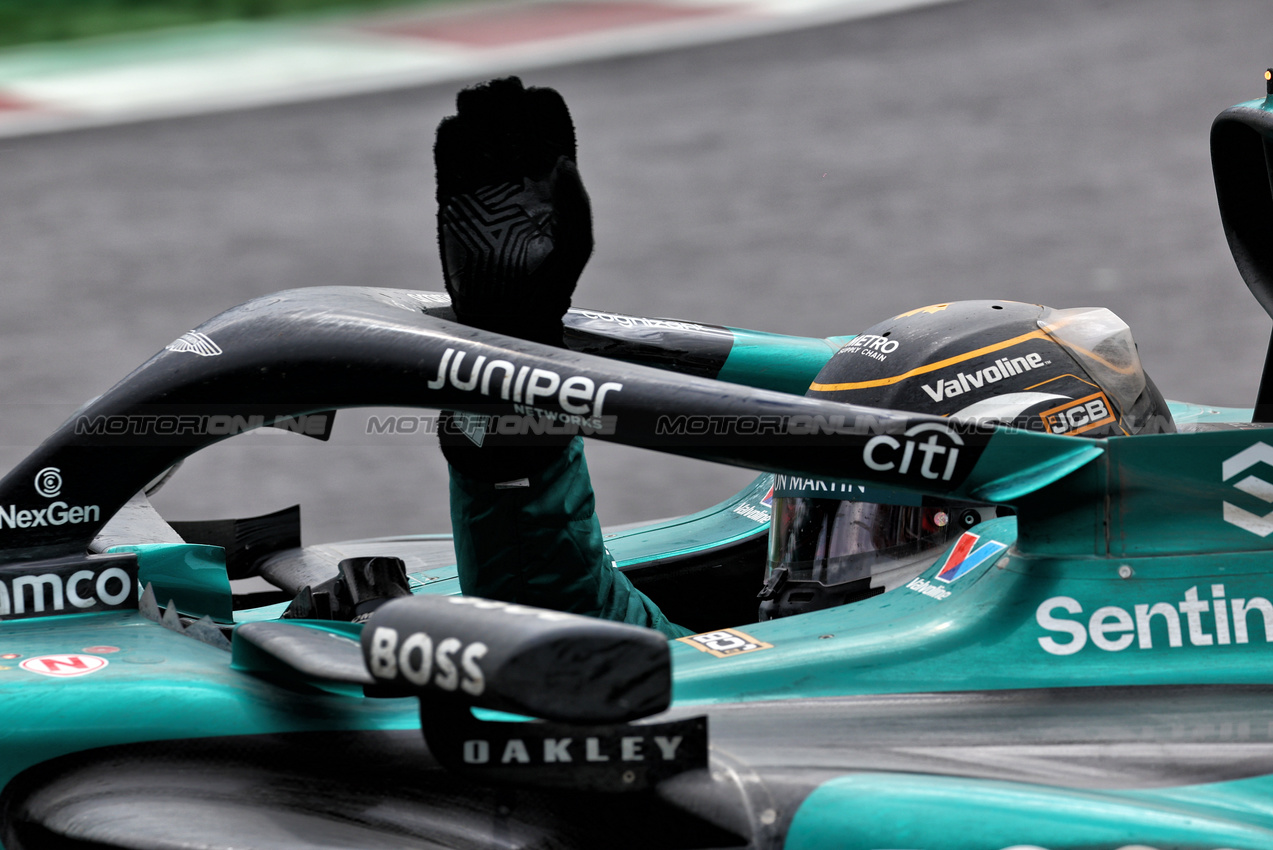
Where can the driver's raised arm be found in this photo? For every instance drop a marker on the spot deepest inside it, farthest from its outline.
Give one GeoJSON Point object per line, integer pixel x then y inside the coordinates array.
{"type": "Point", "coordinates": [515, 231]}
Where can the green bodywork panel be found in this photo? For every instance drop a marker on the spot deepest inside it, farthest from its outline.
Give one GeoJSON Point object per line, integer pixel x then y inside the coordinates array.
{"type": "Point", "coordinates": [776, 362]}
{"type": "Point", "coordinates": [974, 814]}
{"type": "Point", "coordinates": [156, 684]}
{"type": "Point", "coordinates": [1134, 559]}
{"type": "Point", "coordinates": [191, 577]}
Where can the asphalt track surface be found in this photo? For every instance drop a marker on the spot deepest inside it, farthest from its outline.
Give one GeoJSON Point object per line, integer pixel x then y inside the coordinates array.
{"type": "Point", "coordinates": [810, 182]}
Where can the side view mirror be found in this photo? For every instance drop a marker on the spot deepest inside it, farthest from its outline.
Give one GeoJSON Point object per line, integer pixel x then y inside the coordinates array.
{"type": "Point", "coordinates": [518, 659]}
{"type": "Point", "coordinates": [586, 676]}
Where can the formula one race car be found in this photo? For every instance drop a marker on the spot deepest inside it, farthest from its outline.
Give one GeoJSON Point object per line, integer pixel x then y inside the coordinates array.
{"type": "Point", "coordinates": [1086, 665]}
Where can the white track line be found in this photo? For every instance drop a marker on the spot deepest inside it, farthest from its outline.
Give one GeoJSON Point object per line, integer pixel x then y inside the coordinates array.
{"type": "Point", "coordinates": [233, 66]}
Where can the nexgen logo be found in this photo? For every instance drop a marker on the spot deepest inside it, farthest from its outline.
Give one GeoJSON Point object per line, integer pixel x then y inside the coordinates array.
{"type": "Point", "coordinates": [57, 513]}
{"type": "Point", "coordinates": [930, 449]}
{"type": "Point", "coordinates": [1252, 486]}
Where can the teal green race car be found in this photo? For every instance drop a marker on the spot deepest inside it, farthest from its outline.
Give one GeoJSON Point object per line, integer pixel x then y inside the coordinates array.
{"type": "Point", "coordinates": [1087, 666]}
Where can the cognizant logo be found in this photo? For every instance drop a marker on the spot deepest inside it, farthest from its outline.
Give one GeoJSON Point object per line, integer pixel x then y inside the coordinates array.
{"type": "Point", "coordinates": [1206, 622]}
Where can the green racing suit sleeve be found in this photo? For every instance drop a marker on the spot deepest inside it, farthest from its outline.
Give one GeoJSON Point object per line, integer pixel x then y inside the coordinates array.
{"type": "Point", "coordinates": [537, 541]}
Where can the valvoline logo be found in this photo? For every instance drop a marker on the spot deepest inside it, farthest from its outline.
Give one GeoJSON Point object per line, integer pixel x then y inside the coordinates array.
{"type": "Point", "coordinates": [967, 556]}
{"type": "Point", "coordinates": [768, 501]}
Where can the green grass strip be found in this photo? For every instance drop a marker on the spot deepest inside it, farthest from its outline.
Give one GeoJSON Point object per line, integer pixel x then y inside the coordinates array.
{"type": "Point", "coordinates": [29, 21]}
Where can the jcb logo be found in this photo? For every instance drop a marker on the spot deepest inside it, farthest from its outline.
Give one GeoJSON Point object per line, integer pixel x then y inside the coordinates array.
{"type": "Point", "coordinates": [1252, 486]}
{"type": "Point", "coordinates": [1075, 417]}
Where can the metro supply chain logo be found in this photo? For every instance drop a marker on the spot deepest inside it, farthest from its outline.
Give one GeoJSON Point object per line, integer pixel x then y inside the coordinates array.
{"type": "Point", "coordinates": [871, 345]}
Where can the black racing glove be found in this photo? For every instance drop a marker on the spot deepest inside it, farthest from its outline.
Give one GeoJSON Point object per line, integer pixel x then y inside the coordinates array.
{"type": "Point", "coordinates": [514, 222]}
{"type": "Point", "coordinates": [515, 232]}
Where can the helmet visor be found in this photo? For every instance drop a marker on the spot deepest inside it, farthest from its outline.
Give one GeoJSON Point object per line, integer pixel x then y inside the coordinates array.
{"type": "Point", "coordinates": [832, 541]}
{"type": "Point", "coordinates": [1102, 344]}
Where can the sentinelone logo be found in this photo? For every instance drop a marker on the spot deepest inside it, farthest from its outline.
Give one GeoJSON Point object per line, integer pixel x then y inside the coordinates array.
{"type": "Point", "coordinates": [1206, 622]}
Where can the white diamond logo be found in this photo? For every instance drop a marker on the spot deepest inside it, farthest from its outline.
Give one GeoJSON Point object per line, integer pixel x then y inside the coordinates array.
{"type": "Point", "coordinates": [1252, 486]}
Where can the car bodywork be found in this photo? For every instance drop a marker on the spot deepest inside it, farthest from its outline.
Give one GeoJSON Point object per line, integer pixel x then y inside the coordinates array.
{"type": "Point", "coordinates": [1092, 671]}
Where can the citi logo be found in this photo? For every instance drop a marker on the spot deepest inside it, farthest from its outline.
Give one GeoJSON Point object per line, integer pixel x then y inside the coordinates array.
{"type": "Point", "coordinates": [967, 381]}
{"type": "Point", "coordinates": [931, 449]}
{"type": "Point", "coordinates": [1252, 486]}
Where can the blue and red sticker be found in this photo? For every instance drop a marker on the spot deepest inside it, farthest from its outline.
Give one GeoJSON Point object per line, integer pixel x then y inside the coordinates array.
{"type": "Point", "coordinates": [967, 556]}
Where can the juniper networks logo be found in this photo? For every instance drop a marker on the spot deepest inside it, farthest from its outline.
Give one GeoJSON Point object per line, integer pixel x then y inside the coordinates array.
{"type": "Point", "coordinates": [1252, 485]}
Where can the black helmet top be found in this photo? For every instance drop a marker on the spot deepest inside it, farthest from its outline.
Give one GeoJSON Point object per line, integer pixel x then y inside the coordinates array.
{"type": "Point", "coordinates": [1058, 371]}
{"type": "Point", "coordinates": [1072, 372]}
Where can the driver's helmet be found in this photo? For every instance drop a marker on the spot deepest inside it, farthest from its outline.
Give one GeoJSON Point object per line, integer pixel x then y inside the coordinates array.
{"type": "Point", "coordinates": [1072, 372]}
